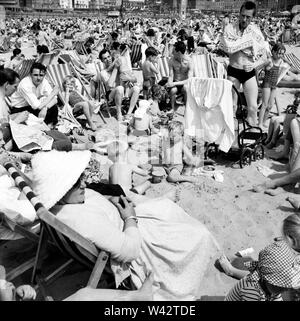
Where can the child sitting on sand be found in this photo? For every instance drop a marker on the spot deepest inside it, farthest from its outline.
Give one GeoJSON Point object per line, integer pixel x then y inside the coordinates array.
{"type": "Point", "coordinates": [174, 150]}
{"type": "Point", "coordinates": [121, 171]}
{"type": "Point", "coordinates": [150, 71]}
{"type": "Point", "coordinates": [141, 123]}
{"type": "Point", "coordinates": [276, 271]}
{"type": "Point", "coordinates": [77, 101]}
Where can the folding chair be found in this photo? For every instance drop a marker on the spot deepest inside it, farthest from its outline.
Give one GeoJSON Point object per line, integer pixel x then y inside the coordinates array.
{"type": "Point", "coordinates": [48, 58]}
{"type": "Point", "coordinates": [163, 68]}
{"type": "Point", "coordinates": [293, 60]}
{"type": "Point", "coordinates": [79, 47]}
{"type": "Point", "coordinates": [136, 53]}
{"type": "Point", "coordinates": [24, 68]}
{"type": "Point", "coordinates": [5, 46]}
{"type": "Point", "coordinates": [71, 243]}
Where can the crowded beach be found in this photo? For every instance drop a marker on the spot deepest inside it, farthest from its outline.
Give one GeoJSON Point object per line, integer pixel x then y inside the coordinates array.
{"type": "Point", "coordinates": [150, 159]}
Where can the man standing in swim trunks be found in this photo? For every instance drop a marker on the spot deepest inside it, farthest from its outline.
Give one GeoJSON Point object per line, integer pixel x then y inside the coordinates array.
{"type": "Point", "coordinates": [244, 43]}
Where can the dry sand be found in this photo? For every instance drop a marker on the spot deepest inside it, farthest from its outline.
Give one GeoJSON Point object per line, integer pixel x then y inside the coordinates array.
{"type": "Point", "coordinates": [237, 217]}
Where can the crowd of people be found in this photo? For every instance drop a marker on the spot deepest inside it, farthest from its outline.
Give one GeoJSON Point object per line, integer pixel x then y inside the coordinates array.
{"type": "Point", "coordinates": [163, 250]}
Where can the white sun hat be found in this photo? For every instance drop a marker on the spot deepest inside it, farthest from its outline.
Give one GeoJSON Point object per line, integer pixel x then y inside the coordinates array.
{"type": "Point", "coordinates": [55, 172]}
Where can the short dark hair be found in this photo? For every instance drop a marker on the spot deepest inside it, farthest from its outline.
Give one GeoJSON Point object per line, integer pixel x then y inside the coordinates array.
{"type": "Point", "coordinates": [16, 52]}
{"type": "Point", "coordinates": [38, 65]}
{"type": "Point", "coordinates": [278, 46]}
{"type": "Point", "coordinates": [249, 5]}
{"type": "Point", "coordinates": [103, 52]}
{"type": "Point", "coordinates": [115, 45]}
{"type": "Point", "coordinates": [150, 33]}
{"type": "Point", "coordinates": [8, 75]}
{"type": "Point", "coordinates": [150, 51]}
{"type": "Point", "coordinates": [180, 46]}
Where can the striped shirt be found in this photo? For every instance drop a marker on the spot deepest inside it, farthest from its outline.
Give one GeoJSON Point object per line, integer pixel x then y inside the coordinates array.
{"type": "Point", "coordinates": [249, 290]}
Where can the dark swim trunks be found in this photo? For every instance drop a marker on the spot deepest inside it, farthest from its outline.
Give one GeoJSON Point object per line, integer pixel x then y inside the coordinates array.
{"type": "Point", "coordinates": [241, 75]}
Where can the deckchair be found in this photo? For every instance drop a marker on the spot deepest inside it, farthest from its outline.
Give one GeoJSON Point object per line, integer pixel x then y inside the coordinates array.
{"type": "Point", "coordinates": [71, 243]}
{"type": "Point", "coordinates": [79, 47]}
{"type": "Point", "coordinates": [24, 68]}
{"type": "Point", "coordinates": [163, 67]}
{"type": "Point", "coordinates": [5, 45]}
{"type": "Point", "coordinates": [293, 60]}
{"type": "Point", "coordinates": [48, 58]}
{"type": "Point", "coordinates": [136, 53]}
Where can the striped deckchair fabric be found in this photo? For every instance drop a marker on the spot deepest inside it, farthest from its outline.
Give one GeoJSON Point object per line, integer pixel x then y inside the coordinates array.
{"type": "Point", "coordinates": [205, 66]}
{"type": "Point", "coordinates": [47, 58]}
{"type": "Point", "coordinates": [79, 47]}
{"type": "Point", "coordinates": [293, 60]}
{"type": "Point", "coordinates": [163, 67]}
{"type": "Point", "coordinates": [5, 45]}
{"type": "Point", "coordinates": [57, 73]}
{"type": "Point", "coordinates": [24, 68]}
{"type": "Point", "coordinates": [136, 53]}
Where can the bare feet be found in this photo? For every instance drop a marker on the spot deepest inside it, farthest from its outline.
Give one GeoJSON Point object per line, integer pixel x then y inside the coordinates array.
{"type": "Point", "coordinates": [294, 202]}
{"type": "Point", "coordinates": [274, 192]}
{"type": "Point", "coordinates": [225, 265]}
{"type": "Point", "coordinates": [263, 187]}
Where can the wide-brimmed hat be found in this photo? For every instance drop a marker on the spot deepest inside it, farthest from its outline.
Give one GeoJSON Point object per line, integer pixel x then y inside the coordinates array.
{"type": "Point", "coordinates": [55, 172]}
{"type": "Point", "coordinates": [279, 265]}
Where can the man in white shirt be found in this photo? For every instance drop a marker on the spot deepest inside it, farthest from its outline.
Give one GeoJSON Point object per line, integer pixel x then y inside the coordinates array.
{"type": "Point", "coordinates": [36, 95]}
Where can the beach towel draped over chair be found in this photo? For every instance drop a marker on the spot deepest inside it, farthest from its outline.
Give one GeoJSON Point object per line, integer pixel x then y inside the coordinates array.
{"type": "Point", "coordinates": [209, 111]}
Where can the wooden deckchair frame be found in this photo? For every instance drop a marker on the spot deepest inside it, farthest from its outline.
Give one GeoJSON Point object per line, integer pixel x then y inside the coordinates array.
{"type": "Point", "coordinates": [65, 238]}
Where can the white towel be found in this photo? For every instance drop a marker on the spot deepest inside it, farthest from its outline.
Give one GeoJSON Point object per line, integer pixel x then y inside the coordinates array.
{"type": "Point", "coordinates": [209, 111]}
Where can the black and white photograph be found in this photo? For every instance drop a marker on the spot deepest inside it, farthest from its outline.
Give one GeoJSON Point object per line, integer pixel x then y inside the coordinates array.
{"type": "Point", "coordinates": [196, 103]}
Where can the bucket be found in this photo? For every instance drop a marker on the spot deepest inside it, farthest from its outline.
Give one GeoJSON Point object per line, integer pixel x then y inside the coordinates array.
{"type": "Point", "coordinates": [157, 177]}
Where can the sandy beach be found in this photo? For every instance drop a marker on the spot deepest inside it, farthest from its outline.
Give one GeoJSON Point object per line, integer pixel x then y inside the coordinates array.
{"type": "Point", "coordinates": [236, 216]}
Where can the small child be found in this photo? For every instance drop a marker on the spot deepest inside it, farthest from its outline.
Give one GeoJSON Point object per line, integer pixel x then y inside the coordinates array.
{"type": "Point", "coordinates": [150, 71]}
{"type": "Point", "coordinates": [276, 271]}
{"type": "Point", "coordinates": [141, 123]}
{"type": "Point", "coordinates": [174, 150]}
{"type": "Point", "coordinates": [77, 101]}
{"type": "Point", "coordinates": [121, 171]}
{"type": "Point", "coordinates": [270, 83]}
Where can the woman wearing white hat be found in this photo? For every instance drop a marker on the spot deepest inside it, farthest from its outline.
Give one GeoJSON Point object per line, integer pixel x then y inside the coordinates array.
{"type": "Point", "coordinates": [157, 235]}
